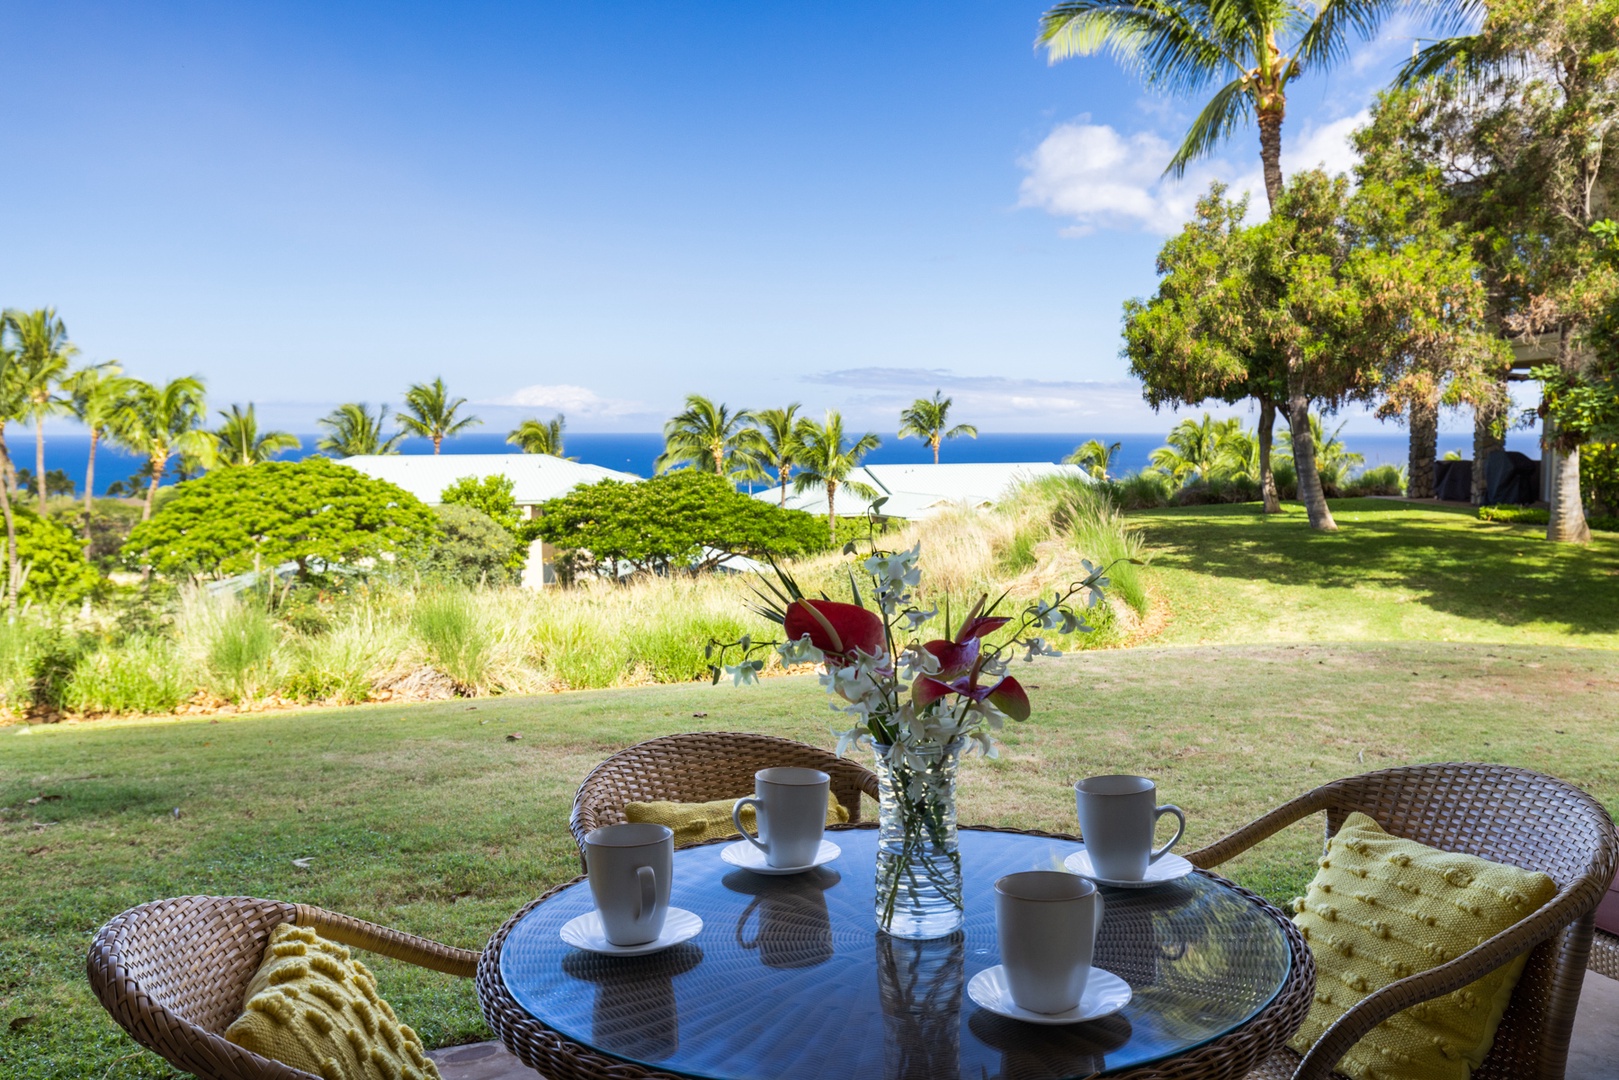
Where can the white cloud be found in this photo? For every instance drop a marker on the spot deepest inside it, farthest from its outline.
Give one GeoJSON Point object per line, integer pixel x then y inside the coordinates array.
{"type": "Point", "coordinates": [575, 401]}
{"type": "Point", "coordinates": [1097, 178]}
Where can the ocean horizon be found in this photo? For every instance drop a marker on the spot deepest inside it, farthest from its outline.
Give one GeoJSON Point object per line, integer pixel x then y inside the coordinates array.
{"type": "Point", "coordinates": [635, 452]}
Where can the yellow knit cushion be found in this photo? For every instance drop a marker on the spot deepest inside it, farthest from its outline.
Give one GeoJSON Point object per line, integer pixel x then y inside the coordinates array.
{"type": "Point", "coordinates": [313, 1007]}
{"type": "Point", "coordinates": [1381, 908]}
{"type": "Point", "coordinates": [696, 822]}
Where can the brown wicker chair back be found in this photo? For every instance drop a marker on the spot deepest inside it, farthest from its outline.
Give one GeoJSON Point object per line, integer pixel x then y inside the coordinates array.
{"type": "Point", "coordinates": [173, 973]}
{"type": "Point", "coordinates": [701, 767]}
{"type": "Point", "coordinates": [1497, 812]}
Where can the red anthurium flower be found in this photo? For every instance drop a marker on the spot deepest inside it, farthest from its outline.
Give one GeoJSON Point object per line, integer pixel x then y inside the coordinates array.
{"type": "Point", "coordinates": [979, 626]}
{"type": "Point", "coordinates": [953, 658]}
{"type": "Point", "coordinates": [1009, 696]}
{"type": "Point", "coordinates": [926, 690]}
{"type": "Point", "coordinates": [835, 628]}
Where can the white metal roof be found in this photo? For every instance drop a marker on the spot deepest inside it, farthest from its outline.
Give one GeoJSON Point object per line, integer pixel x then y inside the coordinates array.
{"type": "Point", "coordinates": [916, 491]}
{"type": "Point", "coordinates": [535, 477]}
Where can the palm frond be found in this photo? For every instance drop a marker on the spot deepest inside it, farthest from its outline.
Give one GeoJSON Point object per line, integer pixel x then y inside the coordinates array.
{"type": "Point", "coordinates": [1325, 41]}
{"type": "Point", "coordinates": [1227, 110]}
{"type": "Point", "coordinates": [1455, 57]}
{"type": "Point", "coordinates": [1160, 41]}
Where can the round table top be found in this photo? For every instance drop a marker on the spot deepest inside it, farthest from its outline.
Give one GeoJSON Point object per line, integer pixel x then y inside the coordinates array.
{"type": "Point", "coordinates": [789, 977]}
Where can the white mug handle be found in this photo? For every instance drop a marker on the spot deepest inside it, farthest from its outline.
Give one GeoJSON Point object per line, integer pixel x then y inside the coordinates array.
{"type": "Point", "coordinates": [736, 819]}
{"type": "Point", "coordinates": [649, 891]}
{"type": "Point", "coordinates": [1180, 817]}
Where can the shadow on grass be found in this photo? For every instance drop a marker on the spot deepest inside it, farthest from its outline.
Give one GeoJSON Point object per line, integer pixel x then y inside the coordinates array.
{"type": "Point", "coordinates": [1445, 558]}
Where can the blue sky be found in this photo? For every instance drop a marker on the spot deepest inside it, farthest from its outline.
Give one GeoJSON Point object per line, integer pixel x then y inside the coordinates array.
{"type": "Point", "coordinates": [601, 208]}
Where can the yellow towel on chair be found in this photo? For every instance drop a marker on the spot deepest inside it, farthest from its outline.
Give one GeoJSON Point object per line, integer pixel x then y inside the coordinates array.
{"type": "Point", "coordinates": [695, 822]}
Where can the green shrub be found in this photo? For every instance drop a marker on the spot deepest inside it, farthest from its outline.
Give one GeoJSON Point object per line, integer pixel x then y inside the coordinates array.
{"type": "Point", "coordinates": [1140, 491]}
{"type": "Point", "coordinates": [1383, 480]}
{"type": "Point", "coordinates": [142, 673]}
{"type": "Point", "coordinates": [472, 548]}
{"type": "Point", "coordinates": [449, 623]}
{"type": "Point", "coordinates": [341, 665]}
{"type": "Point", "coordinates": [22, 641]}
{"type": "Point", "coordinates": [52, 559]}
{"type": "Point", "coordinates": [1508, 514]}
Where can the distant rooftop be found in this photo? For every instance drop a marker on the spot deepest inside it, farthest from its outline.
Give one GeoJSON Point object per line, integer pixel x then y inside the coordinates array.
{"type": "Point", "coordinates": [916, 491]}
{"type": "Point", "coordinates": [535, 477]}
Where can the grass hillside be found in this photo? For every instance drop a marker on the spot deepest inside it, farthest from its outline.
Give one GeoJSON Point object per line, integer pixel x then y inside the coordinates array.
{"type": "Point", "coordinates": [1393, 571]}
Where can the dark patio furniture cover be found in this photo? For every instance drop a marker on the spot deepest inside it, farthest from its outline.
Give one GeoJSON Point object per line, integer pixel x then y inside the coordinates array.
{"type": "Point", "coordinates": [1511, 477]}
{"type": "Point", "coordinates": [1453, 480]}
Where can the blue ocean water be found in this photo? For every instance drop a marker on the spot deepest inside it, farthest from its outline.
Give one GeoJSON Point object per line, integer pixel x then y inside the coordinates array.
{"type": "Point", "coordinates": [635, 452]}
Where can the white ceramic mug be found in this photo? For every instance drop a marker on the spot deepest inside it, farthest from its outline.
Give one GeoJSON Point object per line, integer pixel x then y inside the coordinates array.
{"type": "Point", "coordinates": [630, 869]}
{"type": "Point", "coordinates": [789, 805]}
{"type": "Point", "coordinates": [1046, 921]}
{"type": "Point", "coordinates": [1117, 816]}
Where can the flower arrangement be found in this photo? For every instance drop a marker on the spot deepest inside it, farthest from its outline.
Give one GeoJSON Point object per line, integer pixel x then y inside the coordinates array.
{"type": "Point", "coordinates": [918, 704]}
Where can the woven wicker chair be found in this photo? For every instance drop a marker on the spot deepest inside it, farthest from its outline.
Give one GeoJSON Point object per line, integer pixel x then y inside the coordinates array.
{"type": "Point", "coordinates": [1496, 812]}
{"type": "Point", "coordinates": [174, 973]}
{"type": "Point", "coordinates": [701, 767]}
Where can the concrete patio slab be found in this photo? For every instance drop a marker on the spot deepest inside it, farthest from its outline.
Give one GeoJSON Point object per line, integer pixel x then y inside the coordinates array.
{"type": "Point", "coordinates": [1593, 1051]}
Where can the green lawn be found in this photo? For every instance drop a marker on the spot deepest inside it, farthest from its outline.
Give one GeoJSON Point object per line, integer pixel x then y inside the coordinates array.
{"type": "Point", "coordinates": [1393, 571]}
{"type": "Point", "coordinates": [428, 818]}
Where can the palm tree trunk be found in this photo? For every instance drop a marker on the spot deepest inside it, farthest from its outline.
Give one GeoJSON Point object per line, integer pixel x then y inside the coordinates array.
{"type": "Point", "coordinates": [13, 572]}
{"type": "Point", "coordinates": [1419, 481]}
{"type": "Point", "coordinates": [1270, 152]}
{"type": "Point", "coordinates": [831, 514]}
{"type": "Point", "coordinates": [151, 489]}
{"type": "Point", "coordinates": [437, 441]}
{"type": "Point", "coordinates": [1566, 522]}
{"type": "Point", "coordinates": [935, 442]}
{"type": "Point", "coordinates": [90, 486]}
{"type": "Point", "coordinates": [39, 460]}
{"type": "Point", "coordinates": [1267, 477]}
{"type": "Point", "coordinates": [718, 453]}
{"type": "Point", "coordinates": [1315, 499]}
{"type": "Point", "coordinates": [783, 474]}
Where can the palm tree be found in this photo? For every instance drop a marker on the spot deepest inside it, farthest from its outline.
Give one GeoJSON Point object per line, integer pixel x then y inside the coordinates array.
{"type": "Point", "coordinates": [825, 462]}
{"type": "Point", "coordinates": [158, 422]}
{"type": "Point", "coordinates": [707, 437]}
{"type": "Point", "coordinates": [1334, 462]}
{"type": "Point", "coordinates": [44, 355]}
{"type": "Point", "coordinates": [238, 440]}
{"type": "Point", "coordinates": [537, 437]}
{"type": "Point", "coordinates": [9, 404]}
{"type": "Point", "coordinates": [1094, 457]}
{"type": "Point", "coordinates": [776, 447]}
{"type": "Point", "coordinates": [926, 419]}
{"type": "Point", "coordinates": [1185, 46]}
{"type": "Point", "coordinates": [93, 395]}
{"type": "Point", "coordinates": [1194, 448]}
{"type": "Point", "coordinates": [354, 432]}
{"type": "Point", "coordinates": [432, 413]}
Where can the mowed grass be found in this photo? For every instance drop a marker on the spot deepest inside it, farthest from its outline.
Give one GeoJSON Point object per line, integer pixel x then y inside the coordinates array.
{"type": "Point", "coordinates": [1394, 571]}
{"type": "Point", "coordinates": [429, 819]}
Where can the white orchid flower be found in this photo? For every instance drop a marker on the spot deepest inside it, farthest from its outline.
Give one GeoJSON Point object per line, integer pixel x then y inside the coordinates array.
{"type": "Point", "coordinates": [744, 673]}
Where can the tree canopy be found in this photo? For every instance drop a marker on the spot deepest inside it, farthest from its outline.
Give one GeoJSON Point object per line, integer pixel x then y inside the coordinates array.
{"type": "Point", "coordinates": [680, 520]}
{"type": "Point", "coordinates": [307, 511]}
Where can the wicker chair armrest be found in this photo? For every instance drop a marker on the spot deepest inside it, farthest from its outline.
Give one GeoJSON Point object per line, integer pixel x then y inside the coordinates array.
{"type": "Point", "coordinates": [1229, 847]}
{"type": "Point", "coordinates": [1569, 905]}
{"type": "Point", "coordinates": [360, 934]}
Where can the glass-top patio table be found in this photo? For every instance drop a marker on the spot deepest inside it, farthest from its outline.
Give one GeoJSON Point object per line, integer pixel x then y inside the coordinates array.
{"type": "Point", "coordinates": [790, 979]}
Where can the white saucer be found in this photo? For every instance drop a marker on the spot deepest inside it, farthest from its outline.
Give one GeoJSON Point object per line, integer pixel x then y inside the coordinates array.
{"type": "Point", "coordinates": [1105, 994]}
{"type": "Point", "coordinates": [748, 857]}
{"type": "Point", "coordinates": [585, 932]}
{"type": "Point", "coordinates": [1169, 868]}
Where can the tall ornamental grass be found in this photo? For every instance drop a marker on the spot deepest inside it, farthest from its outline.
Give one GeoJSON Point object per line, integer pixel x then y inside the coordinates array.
{"type": "Point", "coordinates": [144, 673]}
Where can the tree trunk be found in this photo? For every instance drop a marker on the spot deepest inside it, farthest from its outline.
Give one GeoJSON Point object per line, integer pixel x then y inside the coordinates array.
{"type": "Point", "coordinates": [90, 488]}
{"type": "Point", "coordinates": [1267, 477]}
{"type": "Point", "coordinates": [39, 460]}
{"type": "Point", "coordinates": [935, 442]}
{"type": "Point", "coordinates": [1315, 500]}
{"type": "Point", "coordinates": [1270, 153]}
{"type": "Point", "coordinates": [1566, 522]}
{"type": "Point", "coordinates": [1419, 481]}
{"type": "Point", "coordinates": [151, 489]}
{"type": "Point", "coordinates": [783, 474]}
{"type": "Point", "coordinates": [12, 570]}
{"type": "Point", "coordinates": [718, 454]}
{"type": "Point", "coordinates": [1486, 441]}
{"type": "Point", "coordinates": [438, 440]}
{"type": "Point", "coordinates": [831, 514]}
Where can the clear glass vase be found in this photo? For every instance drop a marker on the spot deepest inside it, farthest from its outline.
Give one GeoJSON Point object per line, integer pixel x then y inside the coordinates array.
{"type": "Point", "coordinates": [918, 864]}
